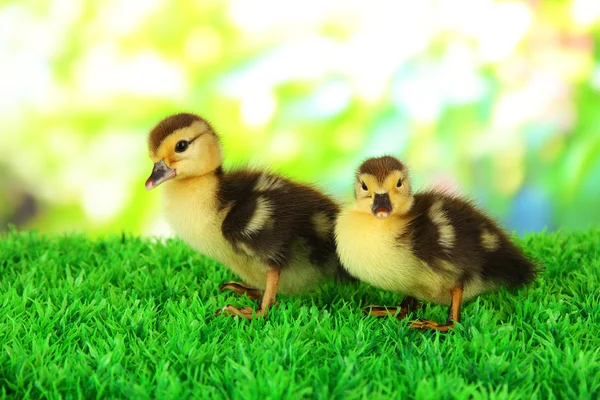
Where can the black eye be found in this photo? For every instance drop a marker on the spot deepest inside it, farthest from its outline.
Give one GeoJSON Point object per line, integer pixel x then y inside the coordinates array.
{"type": "Point", "coordinates": [399, 183]}
{"type": "Point", "coordinates": [364, 187]}
{"type": "Point", "coordinates": [181, 146]}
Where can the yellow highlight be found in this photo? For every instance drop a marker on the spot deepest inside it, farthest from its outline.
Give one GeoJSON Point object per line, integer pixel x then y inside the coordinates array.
{"type": "Point", "coordinates": [509, 173]}
{"type": "Point", "coordinates": [204, 45]}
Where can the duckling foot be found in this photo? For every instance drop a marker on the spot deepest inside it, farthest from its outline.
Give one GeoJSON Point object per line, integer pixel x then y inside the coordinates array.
{"type": "Point", "coordinates": [268, 300]}
{"type": "Point", "coordinates": [246, 312]}
{"type": "Point", "coordinates": [241, 288]}
{"type": "Point", "coordinates": [383, 311]}
{"type": "Point", "coordinates": [408, 305]}
{"type": "Point", "coordinates": [427, 324]}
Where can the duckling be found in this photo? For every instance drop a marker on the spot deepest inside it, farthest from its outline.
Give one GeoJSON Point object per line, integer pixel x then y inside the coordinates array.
{"type": "Point", "coordinates": [276, 234]}
{"type": "Point", "coordinates": [428, 246]}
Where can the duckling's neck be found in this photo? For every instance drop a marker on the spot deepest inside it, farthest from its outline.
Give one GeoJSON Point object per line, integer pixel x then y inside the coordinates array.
{"type": "Point", "coordinates": [192, 210]}
{"type": "Point", "coordinates": [199, 190]}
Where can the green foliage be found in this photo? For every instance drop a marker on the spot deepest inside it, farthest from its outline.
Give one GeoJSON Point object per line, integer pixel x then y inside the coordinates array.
{"type": "Point", "coordinates": [129, 317]}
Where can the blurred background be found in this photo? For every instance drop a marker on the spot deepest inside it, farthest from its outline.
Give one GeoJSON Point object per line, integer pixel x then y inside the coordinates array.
{"type": "Point", "coordinates": [496, 100]}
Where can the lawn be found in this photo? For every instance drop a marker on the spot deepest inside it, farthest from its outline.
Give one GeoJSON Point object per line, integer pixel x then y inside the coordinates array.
{"type": "Point", "coordinates": [130, 317]}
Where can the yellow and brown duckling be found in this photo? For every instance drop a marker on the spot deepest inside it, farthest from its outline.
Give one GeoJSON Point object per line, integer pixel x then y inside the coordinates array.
{"type": "Point", "coordinates": [277, 235]}
{"type": "Point", "coordinates": [428, 246]}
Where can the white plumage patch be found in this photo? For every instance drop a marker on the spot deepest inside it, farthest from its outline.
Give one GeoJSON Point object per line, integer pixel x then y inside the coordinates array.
{"type": "Point", "coordinates": [322, 224]}
{"type": "Point", "coordinates": [447, 236]}
{"type": "Point", "coordinates": [262, 214]}
{"type": "Point", "coordinates": [445, 229]}
{"type": "Point", "coordinates": [437, 215]}
{"type": "Point", "coordinates": [246, 249]}
{"type": "Point", "coordinates": [489, 240]}
{"type": "Point", "coordinates": [267, 182]}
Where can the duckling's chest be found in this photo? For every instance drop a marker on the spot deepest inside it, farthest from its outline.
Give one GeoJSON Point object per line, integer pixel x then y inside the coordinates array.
{"type": "Point", "coordinates": [200, 229]}
{"type": "Point", "coordinates": [196, 219]}
{"type": "Point", "coordinates": [373, 251]}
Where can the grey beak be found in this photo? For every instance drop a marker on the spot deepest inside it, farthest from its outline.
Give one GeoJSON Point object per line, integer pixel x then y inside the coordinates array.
{"type": "Point", "coordinates": [382, 206]}
{"type": "Point", "coordinates": [160, 174]}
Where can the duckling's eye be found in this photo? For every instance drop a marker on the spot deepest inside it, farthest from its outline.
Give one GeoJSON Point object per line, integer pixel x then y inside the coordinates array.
{"type": "Point", "coordinates": [399, 183]}
{"type": "Point", "coordinates": [364, 187]}
{"type": "Point", "coordinates": [181, 146]}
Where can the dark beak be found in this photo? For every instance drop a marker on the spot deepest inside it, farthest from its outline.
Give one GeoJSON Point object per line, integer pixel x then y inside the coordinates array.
{"type": "Point", "coordinates": [382, 207]}
{"type": "Point", "coordinates": [160, 174]}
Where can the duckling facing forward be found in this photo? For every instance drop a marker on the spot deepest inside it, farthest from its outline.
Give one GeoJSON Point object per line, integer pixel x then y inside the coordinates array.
{"type": "Point", "coordinates": [428, 246]}
{"type": "Point", "coordinates": [274, 233]}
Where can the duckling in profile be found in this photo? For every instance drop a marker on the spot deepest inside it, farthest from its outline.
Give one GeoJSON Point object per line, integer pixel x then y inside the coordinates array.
{"type": "Point", "coordinates": [275, 234]}
{"type": "Point", "coordinates": [428, 246]}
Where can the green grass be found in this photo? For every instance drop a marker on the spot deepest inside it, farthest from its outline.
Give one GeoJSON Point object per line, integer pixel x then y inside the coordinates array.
{"type": "Point", "coordinates": [128, 317]}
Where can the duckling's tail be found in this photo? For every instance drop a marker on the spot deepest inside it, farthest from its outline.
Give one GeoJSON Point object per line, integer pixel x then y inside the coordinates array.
{"type": "Point", "coordinates": [511, 266]}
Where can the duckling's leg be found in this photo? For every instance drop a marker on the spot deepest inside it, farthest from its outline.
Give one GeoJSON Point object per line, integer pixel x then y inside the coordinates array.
{"type": "Point", "coordinates": [408, 305]}
{"type": "Point", "coordinates": [453, 314]}
{"type": "Point", "coordinates": [268, 299]}
{"type": "Point", "coordinates": [241, 288]}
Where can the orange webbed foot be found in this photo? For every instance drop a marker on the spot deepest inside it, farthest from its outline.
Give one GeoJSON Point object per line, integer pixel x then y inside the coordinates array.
{"type": "Point", "coordinates": [241, 288]}
{"type": "Point", "coordinates": [428, 324]}
{"type": "Point", "coordinates": [384, 311]}
{"type": "Point", "coordinates": [245, 312]}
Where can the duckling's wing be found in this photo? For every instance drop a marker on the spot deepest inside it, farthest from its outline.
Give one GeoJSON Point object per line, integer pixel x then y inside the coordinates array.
{"type": "Point", "coordinates": [424, 232]}
{"type": "Point", "coordinates": [453, 230]}
{"type": "Point", "coordinates": [485, 243]}
{"type": "Point", "coordinates": [269, 215]}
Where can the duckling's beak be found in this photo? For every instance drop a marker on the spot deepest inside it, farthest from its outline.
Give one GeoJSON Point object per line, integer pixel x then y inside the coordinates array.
{"type": "Point", "coordinates": [160, 174]}
{"type": "Point", "coordinates": [382, 207]}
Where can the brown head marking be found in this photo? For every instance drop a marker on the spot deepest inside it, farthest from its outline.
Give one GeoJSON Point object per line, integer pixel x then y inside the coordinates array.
{"type": "Point", "coordinates": [169, 125]}
{"type": "Point", "coordinates": [380, 167]}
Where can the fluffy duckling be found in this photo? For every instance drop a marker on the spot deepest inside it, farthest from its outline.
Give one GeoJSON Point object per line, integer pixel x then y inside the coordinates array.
{"type": "Point", "coordinates": [277, 235]}
{"type": "Point", "coordinates": [428, 246]}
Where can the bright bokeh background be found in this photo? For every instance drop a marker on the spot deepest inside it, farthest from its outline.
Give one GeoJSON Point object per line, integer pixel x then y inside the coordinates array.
{"type": "Point", "coordinates": [497, 100]}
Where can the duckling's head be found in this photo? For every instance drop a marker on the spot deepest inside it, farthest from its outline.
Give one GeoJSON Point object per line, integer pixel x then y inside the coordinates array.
{"type": "Point", "coordinates": [182, 146]}
{"type": "Point", "coordinates": [382, 187]}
